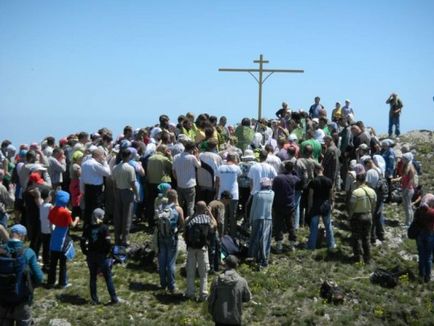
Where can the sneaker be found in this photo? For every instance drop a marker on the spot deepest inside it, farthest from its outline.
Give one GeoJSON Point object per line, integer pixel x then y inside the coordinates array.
{"type": "Point", "coordinates": [64, 286]}
{"type": "Point", "coordinates": [95, 302]}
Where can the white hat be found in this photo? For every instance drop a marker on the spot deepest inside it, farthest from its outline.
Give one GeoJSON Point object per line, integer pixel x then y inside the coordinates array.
{"type": "Point", "coordinates": [316, 120]}
{"type": "Point", "coordinates": [248, 155]}
{"type": "Point", "coordinates": [347, 100]}
{"type": "Point", "coordinates": [292, 137]}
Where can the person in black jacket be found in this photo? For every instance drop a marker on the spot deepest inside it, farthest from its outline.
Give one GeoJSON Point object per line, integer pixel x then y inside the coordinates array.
{"type": "Point", "coordinates": [96, 245]}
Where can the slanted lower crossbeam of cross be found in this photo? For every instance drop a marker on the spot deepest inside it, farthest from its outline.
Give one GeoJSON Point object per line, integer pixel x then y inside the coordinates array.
{"type": "Point", "coordinates": [260, 78]}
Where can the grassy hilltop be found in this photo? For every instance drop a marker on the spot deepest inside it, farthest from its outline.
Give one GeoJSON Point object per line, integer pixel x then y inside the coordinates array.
{"type": "Point", "coordinates": [287, 292]}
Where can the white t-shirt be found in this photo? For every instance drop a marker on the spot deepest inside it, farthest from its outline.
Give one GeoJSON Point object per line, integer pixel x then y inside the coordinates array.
{"type": "Point", "coordinates": [259, 171]}
{"type": "Point", "coordinates": [228, 176]}
{"type": "Point", "coordinates": [44, 210]}
{"type": "Point", "coordinates": [274, 161]}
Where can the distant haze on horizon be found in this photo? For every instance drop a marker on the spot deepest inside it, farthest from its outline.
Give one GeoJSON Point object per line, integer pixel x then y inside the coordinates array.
{"type": "Point", "coordinates": [72, 66]}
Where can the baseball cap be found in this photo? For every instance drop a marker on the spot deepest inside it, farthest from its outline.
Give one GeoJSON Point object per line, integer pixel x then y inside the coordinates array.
{"type": "Point", "coordinates": [19, 229]}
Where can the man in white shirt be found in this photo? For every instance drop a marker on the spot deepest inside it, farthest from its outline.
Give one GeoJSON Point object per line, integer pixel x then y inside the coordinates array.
{"type": "Point", "coordinates": [206, 174]}
{"type": "Point", "coordinates": [93, 171]}
{"type": "Point", "coordinates": [227, 180]}
{"type": "Point", "coordinates": [184, 170]}
{"type": "Point", "coordinates": [257, 172]}
{"type": "Point", "coordinates": [272, 159]}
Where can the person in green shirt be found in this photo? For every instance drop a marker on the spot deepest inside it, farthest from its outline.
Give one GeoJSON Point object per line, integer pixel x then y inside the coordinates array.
{"type": "Point", "coordinates": [316, 146]}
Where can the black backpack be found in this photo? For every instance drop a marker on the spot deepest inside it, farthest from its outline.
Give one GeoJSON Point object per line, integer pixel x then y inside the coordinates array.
{"type": "Point", "coordinates": [382, 188]}
{"type": "Point", "coordinates": [198, 235]}
{"type": "Point", "coordinates": [15, 278]}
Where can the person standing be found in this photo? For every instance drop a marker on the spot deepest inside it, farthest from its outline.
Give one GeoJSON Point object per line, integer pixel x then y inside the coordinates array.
{"type": "Point", "coordinates": [284, 187]}
{"type": "Point", "coordinates": [409, 182]}
{"type": "Point", "coordinates": [228, 292]}
{"type": "Point", "coordinates": [261, 221]}
{"type": "Point", "coordinates": [56, 167]}
{"type": "Point", "coordinates": [184, 171]}
{"type": "Point", "coordinates": [394, 113]}
{"type": "Point", "coordinates": [316, 108]}
{"type": "Point", "coordinates": [198, 231]}
{"type": "Point", "coordinates": [168, 227]}
{"type": "Point", "coordinates": [320, 203]}
{"type": "Point", "coordinates": [17, 309]}
{"type": "Point", "coordinates": [361, 209]}
{"type": "Point", "coordinates": [96, 245]}
{"type": "Point", "coordinates": [93, 171]}
{"type": "Point", "coordinates": [124, 178]}
{"type": "Point", "coordinates": [227, 180]}
{"type": "Point", "coordinates": [424, 217]}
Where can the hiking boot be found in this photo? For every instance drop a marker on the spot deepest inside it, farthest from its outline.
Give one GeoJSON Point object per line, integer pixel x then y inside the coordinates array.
{"type": "Point", "coordinates": [172, 291]}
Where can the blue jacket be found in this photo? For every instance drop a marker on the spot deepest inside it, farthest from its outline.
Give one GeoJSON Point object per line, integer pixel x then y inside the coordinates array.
{"type": "Point", "coordinates": [29, 254]}
{"type": "Point", "coordinates": [389, 158]}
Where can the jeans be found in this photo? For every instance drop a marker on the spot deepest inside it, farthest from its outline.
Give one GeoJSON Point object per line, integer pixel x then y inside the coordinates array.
{"type": "Point", "coordinates": [407, 194]}
{"type": "Point", "coordinates": [97, 262]}
{"type": "Point", "coordinates": [360, 227]}
{"type": "Point", "coordinates": [197, 258]}
{"type": "Point", "coordinates": [425, 247]}
{"type": "Point", "coordinates": [394, 120]}
{"type": "Point", "coordinates": [167, 251]}
{"type": "Point", "coordinates": [57, 256]}
{"type": "Point", "coordinates": [260, 241]}
{"type": "Point", "coordinates": [297, 199]}
{"type": "Point", "coordinates": [187, 200]}
{"type": "Point", "coordinates": [313, 236]}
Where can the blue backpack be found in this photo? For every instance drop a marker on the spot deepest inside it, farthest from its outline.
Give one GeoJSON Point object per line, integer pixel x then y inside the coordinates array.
{"type": "Point", "coordinates": [15, 279]}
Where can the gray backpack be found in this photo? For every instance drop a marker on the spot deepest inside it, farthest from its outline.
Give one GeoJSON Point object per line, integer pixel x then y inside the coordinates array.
{"type": "Point", "coordinates": [167, 222]}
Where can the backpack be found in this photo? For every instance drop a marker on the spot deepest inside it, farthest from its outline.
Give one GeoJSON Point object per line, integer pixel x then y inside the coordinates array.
{"type": "Point", "coordinates": [198, 235]}
{"type": "Point", "coordinates": [167, 222]}
{"type": "Point", "coordinates": [15, 279]}
{"type": "Point", "coordinates": [382, 188]}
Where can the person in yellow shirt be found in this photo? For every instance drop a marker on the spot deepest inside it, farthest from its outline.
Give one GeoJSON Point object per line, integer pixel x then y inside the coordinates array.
{"type": "Point", "coordinates": [362, 206]}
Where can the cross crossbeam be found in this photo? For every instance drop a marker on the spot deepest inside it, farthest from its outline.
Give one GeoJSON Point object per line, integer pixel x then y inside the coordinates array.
{"type": "Point", "coordinates": [260, 78]}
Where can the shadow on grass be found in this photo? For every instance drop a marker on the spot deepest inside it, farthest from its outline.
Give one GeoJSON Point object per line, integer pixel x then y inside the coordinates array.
{"type": "Point", "coordinates": [140, 286]}
{"type": "Point", "coordinates": [137, 266]}
{"type": "Point", "coordinates": [334, 256]}
{"type": "Point", "coordinates": [391, 223]}
{"type": "Point", "coordinates": [73, 299]}
{"type": "Point", "coordinates": [140, 227]}
{"type": "Point", "coordinates": [166, 298]}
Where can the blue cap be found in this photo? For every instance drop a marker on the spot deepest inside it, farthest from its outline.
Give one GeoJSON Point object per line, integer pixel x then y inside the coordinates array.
{"type": "Point", "coordinates": [62, 198]}
{"type": "Point", "coordinates": [19, 229]}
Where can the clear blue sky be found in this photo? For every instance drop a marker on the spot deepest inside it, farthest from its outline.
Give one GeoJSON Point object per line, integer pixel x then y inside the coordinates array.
{"type": "Point", "coordinates": [67, 66]}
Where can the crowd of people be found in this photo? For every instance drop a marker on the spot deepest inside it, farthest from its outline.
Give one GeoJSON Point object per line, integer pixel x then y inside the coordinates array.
{"type": "Point", "coordinates": [206, 180]}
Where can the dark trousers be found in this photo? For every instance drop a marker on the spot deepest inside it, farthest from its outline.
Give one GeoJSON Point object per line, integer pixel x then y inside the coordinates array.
{"type": "Point", "coordinates": [124, 207]}
{"type": "Point", "coordinates": [152, 193]}
{"type": "Point", "coordinates": [377, 229]}
{"type": "Point", "coordinates": [214, 253]}
{"type": "Point", "coordinates": [46, 250]}
{"type": "Point", "coordinates": [304, 218]}
{"type": "Point", "coordinates": [93, 198]}
{"type": "Point", "coordinates": [57, 257]}
{"type": "Point", "coordinates": [244, 194]}
{"type": "Point", "coordinates": [361, 227]}
{"type": "Point", "coordinates": [205, 194]}
{"type": "Point", "coordinates": [283, 222]}
{"type": "Point", "coordinates": [96, 263]}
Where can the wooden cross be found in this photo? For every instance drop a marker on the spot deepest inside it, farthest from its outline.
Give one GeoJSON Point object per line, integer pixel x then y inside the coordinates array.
{"type": "Point", "coordinates": [260, 80]}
